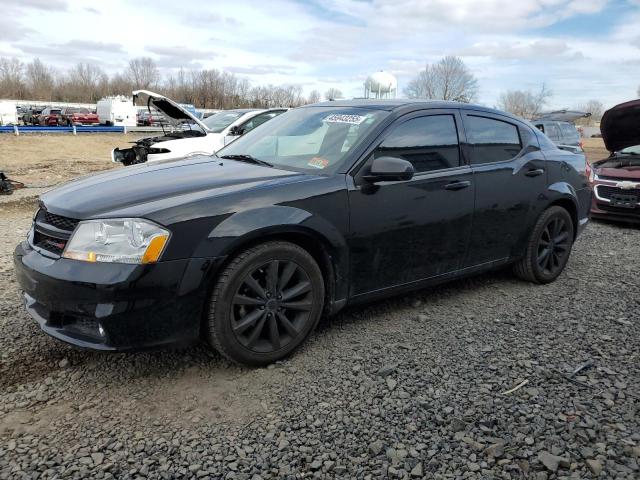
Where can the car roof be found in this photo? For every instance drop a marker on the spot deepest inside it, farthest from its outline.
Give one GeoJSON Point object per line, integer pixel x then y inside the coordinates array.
{"type": "Point", "coordinates": [400, 103]}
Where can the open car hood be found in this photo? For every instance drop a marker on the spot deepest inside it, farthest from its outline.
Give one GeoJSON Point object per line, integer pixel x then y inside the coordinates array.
{"type": "Point", "coordinates": [563, 115]}
{"type": "Point", "coordinates": [169, 108]}
{"type": "Point", "coordinates": [620, 126]}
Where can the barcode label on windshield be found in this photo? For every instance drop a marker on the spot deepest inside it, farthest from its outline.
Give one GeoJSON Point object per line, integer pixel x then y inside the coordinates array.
{"type": "Point", "coordinates": [350, 119]}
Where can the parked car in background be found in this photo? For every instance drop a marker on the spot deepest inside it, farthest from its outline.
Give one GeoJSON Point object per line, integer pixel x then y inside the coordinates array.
{"type": "Point", "coordinates": [70, 116]}
{"type": "Point", "coordinates": [32, 116]}
{"type": "Point", "coordinates": [152, 118]}
{"type": "Point", "coordinates": [616, 180]}
{"type": "Point", "coordinates": [117, 111]}
{"type": "Point", "coordinates": [324, 206]}
{"type": "Point", "coordinates": [50, 117]}
{"type": "Point", "coordinates": [559, 127]}
{"type": "Point", "coordinates": [189, 135]}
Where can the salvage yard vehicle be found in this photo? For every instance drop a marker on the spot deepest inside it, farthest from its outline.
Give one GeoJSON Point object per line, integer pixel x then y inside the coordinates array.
{"type": "Point", "coordinates": [189, 134]}
{"type": "Point", "coordinates": [559, 128]}
{"type": "Point", "coordinates": [616, 179]}
{"type": "Point", "coordinates": [50, 117]}
{"type": "Point", "coordinates": [70, 116]}
{"type": "Point", "coordinates": [116, 111]}
{"type": "Point", "coordinates": [8, 112]}
{"type": "Point", "coordinates": [32, 116]}
{"type": "Point", "coordinates": [326, 205]}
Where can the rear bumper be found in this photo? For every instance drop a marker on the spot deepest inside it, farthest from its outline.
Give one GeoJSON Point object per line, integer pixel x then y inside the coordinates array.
{"type": "Point", "coordinates": [114, 307]}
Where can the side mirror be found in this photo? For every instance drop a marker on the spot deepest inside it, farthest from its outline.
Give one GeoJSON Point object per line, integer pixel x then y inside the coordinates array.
{"type": "Point", "coordinates": [236, 131]}
{"type": "Point", "coordinates": [389, 169]}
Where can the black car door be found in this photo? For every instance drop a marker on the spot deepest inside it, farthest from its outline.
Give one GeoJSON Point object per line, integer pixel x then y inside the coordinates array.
{"type": "Point", "coordinates": [405, 231]}
{"type": "Point", "coordinates": [509, 173]}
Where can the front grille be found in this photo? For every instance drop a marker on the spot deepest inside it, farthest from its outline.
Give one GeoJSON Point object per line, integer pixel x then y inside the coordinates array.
{"type": "Point", "coordinates": [606, 191]}
{"type": "Point", "coordinates": [58, 221]}
{"type": "Point", "coordinates": [49, 243]}
{"type": "Point", "coordinates": [51, 232]}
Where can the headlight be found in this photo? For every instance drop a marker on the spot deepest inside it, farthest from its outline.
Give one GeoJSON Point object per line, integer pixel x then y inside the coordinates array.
{"type": "Point", "coordinates": [122, 240]}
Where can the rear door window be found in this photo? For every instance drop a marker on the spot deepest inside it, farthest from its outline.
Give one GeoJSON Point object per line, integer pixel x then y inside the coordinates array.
{"type": "Point", "coordinates": [429, 143]}
{"type": "Point", "coordinates": [491, 140]}
{"type": "Point", "coordinates": [553, 132]}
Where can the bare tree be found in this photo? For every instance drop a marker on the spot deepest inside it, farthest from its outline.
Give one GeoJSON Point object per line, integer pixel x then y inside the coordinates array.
{"type": "Point", "coordinates": [448, 79]}
{"type": "Point", "coordinates": [40, 80]}
{"type": "Point", "coordinates": [143, 72]}
{"type": "Point", "coordinates": [314, 96]}
{"type": "Point", "coordinates": [12, 83]}
{"type": "Point", "coordinates": [595, 108]}
{"type": "Point", "coordinates": [85, 82]}
{"type": "Point", "coordinates": [333, 94]}
{"type": "Point", "coordinates": [524, 103]}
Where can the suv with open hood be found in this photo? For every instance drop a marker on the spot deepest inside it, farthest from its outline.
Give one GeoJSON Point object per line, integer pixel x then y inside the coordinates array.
{"type": "Point", "coordinates": [616, 179]}
{"type": "Point", "coordinates": [188, 134]}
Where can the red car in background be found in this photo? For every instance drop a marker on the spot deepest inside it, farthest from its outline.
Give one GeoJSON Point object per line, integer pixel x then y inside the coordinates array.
{"type": "Point", "coordinates": [616, 179]}
{"type": "Point", "coordinates": [78, 116]}
{"type": "Point", "coordinates": [50, 117]}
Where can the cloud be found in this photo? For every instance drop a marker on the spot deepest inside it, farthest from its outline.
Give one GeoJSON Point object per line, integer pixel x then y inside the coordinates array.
{"type": "Point", "coordinates": [72, 48]}
{"type": "Point", "coordinates": [11, 30]}
{"type": "Point", "coordinates": [263, 70]}
{"type": "Point", "coordinates": [52, 5]}
{"type": "Point", "coordinates": [517, 50]}
{"type": "Point", "coordinates": [181, 51]}
{"type": "Point", "coordinates": [210, 20]}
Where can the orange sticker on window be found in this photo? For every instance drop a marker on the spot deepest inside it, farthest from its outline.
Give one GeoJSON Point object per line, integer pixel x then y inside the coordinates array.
{"type": "Point", "coordinates": [318, 162]}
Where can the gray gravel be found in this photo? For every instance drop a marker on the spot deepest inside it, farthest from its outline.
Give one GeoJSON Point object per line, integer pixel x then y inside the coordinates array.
{"type": "Point", "coordinates": [412, 387]}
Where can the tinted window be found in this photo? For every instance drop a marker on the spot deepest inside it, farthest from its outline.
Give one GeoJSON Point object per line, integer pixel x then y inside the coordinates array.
{"type": "Point", "coordinates": [492, 140]}
{"type": "Point", "coordinates": [259, 120]}
{"type": "Point", "coordinates": [569, 132]}
{"type": "Point", "coordinates": [429, 143]}
{"type": "Point", "coordinates": [553, 132]}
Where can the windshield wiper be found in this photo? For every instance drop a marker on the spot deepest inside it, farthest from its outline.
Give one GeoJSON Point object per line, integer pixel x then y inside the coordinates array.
{"type": "Point", "coordinates": [248, 159]}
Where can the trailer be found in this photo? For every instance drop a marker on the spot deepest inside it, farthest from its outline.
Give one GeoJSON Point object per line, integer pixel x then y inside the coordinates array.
{"type": "Point", "coordinates": [117, 111]}
{"type": "Point", "coordinates": [8, 112]}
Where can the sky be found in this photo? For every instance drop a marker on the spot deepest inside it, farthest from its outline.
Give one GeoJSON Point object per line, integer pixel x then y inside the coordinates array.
{"type": "Point", "coordinates": [581, 49]}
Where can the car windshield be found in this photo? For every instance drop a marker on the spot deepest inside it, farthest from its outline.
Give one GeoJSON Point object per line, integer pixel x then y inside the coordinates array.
{"type": "Point", "coordinates": [309, 139]}
{"type": "Point", "coordinates": [221, 120]}
{"type": "Point", "coordinates": [635, 150]}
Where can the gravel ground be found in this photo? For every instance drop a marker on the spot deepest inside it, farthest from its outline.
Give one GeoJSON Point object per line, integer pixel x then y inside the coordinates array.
{"type": "Point", "coordinates": [412, 387]}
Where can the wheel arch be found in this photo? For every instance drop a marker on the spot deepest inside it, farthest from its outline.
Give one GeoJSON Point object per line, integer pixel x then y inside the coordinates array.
{"type": "Point", "coordinates": [323, 241]}
{"type": "Point", "coordinates": [564, 195]}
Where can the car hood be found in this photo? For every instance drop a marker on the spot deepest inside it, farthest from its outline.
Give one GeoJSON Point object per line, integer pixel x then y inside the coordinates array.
{"type": "Point", "coordinates": [173, 111]}
{"type": "Point", "coordinates": [136, 190]}
{"type": "Point", "coordinates": [620, 126]}
{"type": "Point", "coordinates": [625, 173]}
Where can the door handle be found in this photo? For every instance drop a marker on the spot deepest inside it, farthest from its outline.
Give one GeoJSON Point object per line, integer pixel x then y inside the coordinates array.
{"type": "Point", "coordinates": [457, 185]}
{"type": "Point", "coordinates": [535, 172]}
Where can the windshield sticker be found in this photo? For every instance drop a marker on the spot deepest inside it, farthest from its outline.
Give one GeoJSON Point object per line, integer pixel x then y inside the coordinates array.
{"type": "Point", "coordinates": [318, 162]}
{"type": "Point", "coordinates": [350, 119]}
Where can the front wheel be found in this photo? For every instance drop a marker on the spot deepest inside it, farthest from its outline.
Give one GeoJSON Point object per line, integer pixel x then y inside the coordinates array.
{"type": "Point", "coordinates": [265, 304]}
{"type": "Point", "coordinates": [548, 247]}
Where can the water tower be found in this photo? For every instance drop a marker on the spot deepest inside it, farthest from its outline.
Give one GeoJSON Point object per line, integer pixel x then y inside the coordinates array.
{"type": "Point", "coordinates": [380, 85]}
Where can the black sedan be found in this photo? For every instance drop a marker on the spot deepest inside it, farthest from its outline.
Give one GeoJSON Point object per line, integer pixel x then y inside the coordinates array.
{"type": "Point", "coordinates": [324, 206]}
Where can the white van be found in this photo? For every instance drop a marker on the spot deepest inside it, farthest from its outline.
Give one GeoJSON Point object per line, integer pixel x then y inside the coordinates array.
{"type": "Point", "coordinates": [117, 111]}
{"type": "Point", "coordinates": [8, 113]}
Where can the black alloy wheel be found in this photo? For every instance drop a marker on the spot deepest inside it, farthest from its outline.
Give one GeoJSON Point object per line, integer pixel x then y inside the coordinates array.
{"type": "Point", "coordinates": [265, 303]}
{"type": "Point", "coordinates": [548, 248]}
{"type": "Point", "coordinates": [553, 245]}
{"type": "Point", "coordinates": [272, 306]}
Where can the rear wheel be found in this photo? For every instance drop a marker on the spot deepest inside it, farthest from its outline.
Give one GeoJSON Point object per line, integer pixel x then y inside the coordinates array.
{"type": "Point", "coordinates": [548, 248]}
{"type": "Point", "coordinates": [265, 304]}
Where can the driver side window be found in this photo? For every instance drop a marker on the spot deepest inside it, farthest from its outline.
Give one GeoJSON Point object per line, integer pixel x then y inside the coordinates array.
{"type": "Point", "coordinates": [429, 143]}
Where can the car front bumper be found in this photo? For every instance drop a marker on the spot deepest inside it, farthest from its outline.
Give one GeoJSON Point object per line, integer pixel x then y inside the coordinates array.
{"type": "Point", "coordinates": [114, 307]}
{"type": "Point", "coordinates": [602, 209]}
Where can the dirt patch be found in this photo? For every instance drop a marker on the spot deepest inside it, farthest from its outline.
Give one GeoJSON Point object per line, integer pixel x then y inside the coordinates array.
{"type": "Point", "coordinates": [594, 149]}
{"type": "Point", "coordinates": [40, 160]}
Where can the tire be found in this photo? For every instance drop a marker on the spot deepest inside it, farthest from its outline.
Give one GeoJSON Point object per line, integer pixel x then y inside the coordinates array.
{"type": "Point", "coordinates": [548, 247]}
{"type": "Point", "coordinates": [265, 303]}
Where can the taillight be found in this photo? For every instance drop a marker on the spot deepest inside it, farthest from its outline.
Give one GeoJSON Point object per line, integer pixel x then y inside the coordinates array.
{"type": "Point", "coordinates": [588, 171]}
